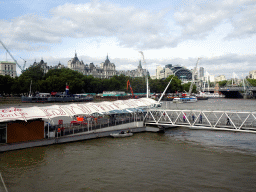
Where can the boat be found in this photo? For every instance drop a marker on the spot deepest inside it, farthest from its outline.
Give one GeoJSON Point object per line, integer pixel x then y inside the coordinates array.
{"type": "Point", "coordinates": [209, 95]}
{"type": "Point", "coordinates": [185, 99]}
{"type": "Point", "coordinates": [38, 98]}
{"type": "Point", "coordinates": [121, 134]}
{"type": "Point", "coordinates": [202, 98]}
{"type": "Point", "coordinates": [56, 97]}
{"type": "Point", "coordinates": [161, 129]}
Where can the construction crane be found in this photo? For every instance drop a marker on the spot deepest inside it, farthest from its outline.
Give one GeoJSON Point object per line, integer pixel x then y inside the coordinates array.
{"type": "Point", "coordinates": [129, 86]}
{"type": "Point", "coordinates": [23, 68]}
{"type": "Point", "coordinates": [11, 56]}
{"type": "Point", "coordinates": [193, 77]}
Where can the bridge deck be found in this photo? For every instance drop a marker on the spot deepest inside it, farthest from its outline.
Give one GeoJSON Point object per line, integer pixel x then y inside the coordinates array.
{"type": "Point", "coordinates": [217, 120]}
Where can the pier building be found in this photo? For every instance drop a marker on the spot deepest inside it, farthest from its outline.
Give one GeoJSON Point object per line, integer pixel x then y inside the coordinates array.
{"type": "Point", "coordinates": [42, 125]}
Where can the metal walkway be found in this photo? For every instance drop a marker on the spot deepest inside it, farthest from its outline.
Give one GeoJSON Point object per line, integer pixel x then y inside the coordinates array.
{"type": "Point", "coordinates": [216, 120]}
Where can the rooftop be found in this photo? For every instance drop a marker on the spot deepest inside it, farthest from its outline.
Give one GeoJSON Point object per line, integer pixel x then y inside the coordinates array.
{"type": "Point", "coordinates": [11, 62]}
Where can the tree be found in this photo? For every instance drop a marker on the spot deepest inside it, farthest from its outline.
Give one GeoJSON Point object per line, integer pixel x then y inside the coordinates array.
{"type": "Point", "coordinates": [222, 83]}
{"type": "Point", "coordinates": [175, 84]}
{"type": "Point", "coordinates": [56, 80]}
{"type": "Point", "coordinates": [252, 82]}
{"type": "Point", "coordinates": [34, 74]}
{"type": "Point", "coordinates": [186, 86]}
{"type": "Point", "coordinates": [6, 83]}
{"type": "Point", "coordinates": [88, 87]}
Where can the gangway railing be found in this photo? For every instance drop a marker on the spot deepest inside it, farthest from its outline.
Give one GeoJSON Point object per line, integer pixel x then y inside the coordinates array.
{"type": "Point", "coordinates": [218, 120]}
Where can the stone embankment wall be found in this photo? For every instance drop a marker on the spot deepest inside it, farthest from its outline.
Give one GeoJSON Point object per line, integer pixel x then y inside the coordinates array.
{"type": "Point", "coordinates": [10, 100]}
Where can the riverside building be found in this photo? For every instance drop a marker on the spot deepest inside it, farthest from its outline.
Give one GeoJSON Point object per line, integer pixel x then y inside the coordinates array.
{"type": "Point", "coordinates": [139, 72]}
{"type": "Point", "coordinates": [181, 72]}
{"type": "Point", "coordinates": [8, 68]}
{"type": "Point", "coordinates": [252, 74]}
{"type": "Point", "coordinates": [106, 69]}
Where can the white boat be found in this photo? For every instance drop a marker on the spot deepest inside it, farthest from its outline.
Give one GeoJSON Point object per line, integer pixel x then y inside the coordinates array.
{"type": "Point", "coordinates": [210, 95]}
{"type": "Point", "coordinates": [122, 134]}
{"type": "Point", "coordinates": [187, 99]}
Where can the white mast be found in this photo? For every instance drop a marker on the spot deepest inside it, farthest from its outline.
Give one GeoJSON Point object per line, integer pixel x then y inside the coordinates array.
{"type": "Point", "coordinates": [208, 83]}
{"type": "Point", "coordinates": [165, 90]}
{"type": "Point", "coordinates": [147, 74]}
{"type": "Point", "coordinates": [30, 94]}
{"type": "Point", "coordinates": [147, 88]}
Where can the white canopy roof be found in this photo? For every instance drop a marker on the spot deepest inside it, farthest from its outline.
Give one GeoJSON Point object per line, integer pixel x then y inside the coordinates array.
{"type": "Point", "coordinates": [48, 112]}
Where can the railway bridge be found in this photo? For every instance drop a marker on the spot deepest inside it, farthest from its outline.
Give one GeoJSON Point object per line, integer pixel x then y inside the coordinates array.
{"type": "Point", "coordinates": [195, 119]}
{"type": "Point", "coordinates": [238, 92]}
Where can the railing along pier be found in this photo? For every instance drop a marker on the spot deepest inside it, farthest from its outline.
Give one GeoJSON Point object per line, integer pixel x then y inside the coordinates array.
{"type": "Point", "coordinates": [217, 120]}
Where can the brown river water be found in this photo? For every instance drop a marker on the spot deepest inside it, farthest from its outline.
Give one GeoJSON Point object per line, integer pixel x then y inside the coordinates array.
{"type": "Point", "coordinates": [181, 159]}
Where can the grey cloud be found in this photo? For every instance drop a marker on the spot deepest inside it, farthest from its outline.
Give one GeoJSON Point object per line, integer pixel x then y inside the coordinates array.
{"type": "Point", "coordinates": [131, 26]}
{"type": "Point", "coordinates": [245, 23]}
{"type": "Point", "coordinates": [198, 21]}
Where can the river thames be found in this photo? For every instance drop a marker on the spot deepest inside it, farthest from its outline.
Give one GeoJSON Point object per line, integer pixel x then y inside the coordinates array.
{"type": "Point", "coordinates": [181, 159]}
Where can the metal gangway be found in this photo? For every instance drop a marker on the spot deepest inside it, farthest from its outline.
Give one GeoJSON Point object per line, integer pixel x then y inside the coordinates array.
{"type": "Point", "coordinates": [196, 119]}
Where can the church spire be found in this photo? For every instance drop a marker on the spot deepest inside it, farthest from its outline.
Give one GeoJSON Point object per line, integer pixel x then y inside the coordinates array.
{"type": "Point", "coordinates": [107, 60]}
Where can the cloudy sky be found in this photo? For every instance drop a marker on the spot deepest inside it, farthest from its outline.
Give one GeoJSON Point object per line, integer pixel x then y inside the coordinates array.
{"type": "Point", "coordinates": [222, 33]}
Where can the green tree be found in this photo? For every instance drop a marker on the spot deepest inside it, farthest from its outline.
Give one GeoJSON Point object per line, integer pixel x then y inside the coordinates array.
{"type": "Point", "coordinates": [222, 83]}
{"type": "Point", "coordinates": [56, 80]}
{"type": "Point", "coordinates": [6, 82]}
{"type": "Point", "coordinates": [88, 87]}
{"type": "Point", "coordinates": [252, 82]}
{"type": "Point", "coordinates": [186, 87]}
{"type": "Point", "coordinates": [175, 84]}
{"type": "Point", "coordinates": [32, 74]}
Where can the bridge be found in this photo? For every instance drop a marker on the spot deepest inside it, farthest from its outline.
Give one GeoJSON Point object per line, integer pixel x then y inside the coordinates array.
{"type": "Point", "coordinates": [215, 120]}
{"type": "Point", "coordinates": [238, 92]}
{"type": "Point", "coordinates": [235, 91]}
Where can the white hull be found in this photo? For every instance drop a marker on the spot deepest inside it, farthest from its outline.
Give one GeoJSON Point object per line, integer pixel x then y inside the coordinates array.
{"type": "Point", "coordinates": [121, 134]}
{"type": "Point", "coordinates": [185, 100]}
{"type": "Point", "coordinates": [210, 95]}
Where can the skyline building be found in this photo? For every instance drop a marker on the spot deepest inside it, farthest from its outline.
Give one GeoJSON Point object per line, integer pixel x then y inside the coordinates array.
{"type": "Point", "coordinates": [139, 72]}
{"type": "Point", "coordinates": [181, 72]}
{"type": "Point", "coordinates": [43, 65]}
{"type": "Point", "coordinates": [106, 69]}
{"type": "Point", "coordinates": [8, 68]}
{"type": "Point", "coordinates": [201, 72]}
{"type": "Point", "coordinates": [252, 74]}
